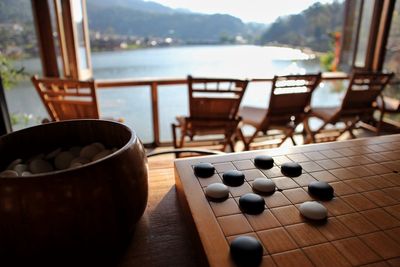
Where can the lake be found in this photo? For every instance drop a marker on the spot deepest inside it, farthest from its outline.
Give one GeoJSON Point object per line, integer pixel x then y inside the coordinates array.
{"type": "Point", "coordinates": [134, 104]}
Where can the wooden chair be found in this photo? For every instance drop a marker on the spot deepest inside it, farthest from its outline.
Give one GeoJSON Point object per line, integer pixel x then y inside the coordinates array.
{"type": "Point", "coordinates": [288, 106]}
{"type": "Point", "coordinates": [357, 105]}
{"type": "Point", "coordinates": [213, 108]}
{"type": "Point", "coordinates": [67, 99]}
{"type": "Point", "coordinates": [387, 105]}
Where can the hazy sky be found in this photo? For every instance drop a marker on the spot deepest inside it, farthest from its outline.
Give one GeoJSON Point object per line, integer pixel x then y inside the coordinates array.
{"type": "Point", "coordinates": [265, 11]}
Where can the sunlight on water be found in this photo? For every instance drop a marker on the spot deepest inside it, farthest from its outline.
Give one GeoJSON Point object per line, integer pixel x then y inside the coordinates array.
{"type": "Point", "coordinates": [133, 104]}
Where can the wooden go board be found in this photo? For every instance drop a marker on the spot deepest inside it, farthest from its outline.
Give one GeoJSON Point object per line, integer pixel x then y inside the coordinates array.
{"type": "Point", "coordinates": [363, 224]}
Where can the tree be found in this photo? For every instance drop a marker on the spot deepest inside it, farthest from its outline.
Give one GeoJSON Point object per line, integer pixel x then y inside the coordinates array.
{"type": "Point", "coordinates": [310, 28]}
{"type": "Point", "coordinates": [9, 74]}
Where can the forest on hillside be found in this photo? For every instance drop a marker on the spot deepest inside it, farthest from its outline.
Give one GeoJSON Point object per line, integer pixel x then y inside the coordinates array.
{"type": "Point", "coordinates": [131, 20]}
{"type": "Point", "coordinates": [312, 28]}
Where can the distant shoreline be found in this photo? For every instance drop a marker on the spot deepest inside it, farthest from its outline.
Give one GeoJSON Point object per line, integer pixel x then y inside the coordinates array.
{"type": "Point", "coordinates": [305, 50]}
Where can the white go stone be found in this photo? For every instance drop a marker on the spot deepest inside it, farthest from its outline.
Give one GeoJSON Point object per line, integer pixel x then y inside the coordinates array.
{"type": "Point", "coordinates": [63, 160]}
{"type": "Point", "coordinates": [75, 165]}
{"type": "Point", "coordinates": [217, 191]}
{"type": "Point", "coordinates": [20, 168]}
{"type": "Point", "coordinates": [9, 173]}
{"type": "Point", "coordinates": [313, 210]}
{"type": "Point", "coordinates": [75, 150]}
{"type": "Point", "coordinates": [40, 166]}
{"type": "Point", "coordinates": [80, 160]}
{"type": "Point", "coordinates": [13, 164]}
{"type": "Point", "coordinates": [53, 154]}
{"type": "Point", "coordinates": [264, 185]}
{"type": "Point", "coordinates": [101, 154]}
{"type": "Point", "coordinates": [38, 156]}
{"type": "Point", "coordinates": [90, 151]}
{"type": "Point", "coordinates": [57, 159]}
{"type": "Point", "coordinates": [99, 145]}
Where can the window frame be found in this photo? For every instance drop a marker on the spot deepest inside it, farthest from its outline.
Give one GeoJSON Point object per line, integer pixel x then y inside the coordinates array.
{"type": "Point", "coordinates": [378, 33]}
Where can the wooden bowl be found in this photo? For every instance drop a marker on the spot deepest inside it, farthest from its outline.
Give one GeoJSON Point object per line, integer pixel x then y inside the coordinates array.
{"type": "Point", "coordinates": [87, 209]}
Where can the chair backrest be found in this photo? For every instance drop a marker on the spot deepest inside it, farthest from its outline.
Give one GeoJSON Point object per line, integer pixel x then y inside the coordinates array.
{"type": "Point", "coordinates": [362, 92]}
{"type": "Point", "coordinates": [67, 99]}
{"type": "Point", "coordinates": [214, 98]}
{"type": "Point", "coordinates": [290, 96]}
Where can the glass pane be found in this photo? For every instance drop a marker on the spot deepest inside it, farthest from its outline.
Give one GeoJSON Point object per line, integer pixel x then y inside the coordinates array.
{"type": "Point", "coordinates": [19, 51]}
{"type": "Point", "coordinates": [171, 106]}
{"type": "Point", "coordinates": [133, 105]}
{"type": "Point", "coordinates": [80, 28]}
{"type": "Point", "coordinates": [55, 34]}
{"type": "Point", "coordinates": [349, 35]}
{"type": "Point", "coordinates": [367, 13]}
{"type": "Point", "coordinates": [392, 57]}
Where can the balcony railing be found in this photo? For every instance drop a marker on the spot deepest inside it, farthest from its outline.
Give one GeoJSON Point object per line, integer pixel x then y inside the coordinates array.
{"type": "Point", "coordinates": [155, 83]}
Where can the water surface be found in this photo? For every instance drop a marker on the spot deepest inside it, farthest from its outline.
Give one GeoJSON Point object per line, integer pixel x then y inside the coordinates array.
{"type": "Point", "coordinates": [134, 104]}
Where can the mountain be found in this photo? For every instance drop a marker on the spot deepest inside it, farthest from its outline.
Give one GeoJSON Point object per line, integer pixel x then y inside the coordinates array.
{"type": "Point", "coordinates": [12, 11]}
{"type": "Point", "coordinates": [148, 19]}
{"type": "Point", "coordinates": [140, 5]}
{"type": "Point", "coordinates": [311, 28]}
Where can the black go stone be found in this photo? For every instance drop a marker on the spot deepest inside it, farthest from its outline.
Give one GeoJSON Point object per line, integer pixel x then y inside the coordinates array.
{"type": "Point", "coordinates": [251, 203]}
{"type": "Point", "coordinates": [264, 162]}
{"type": "Point", "coordinates": [233, 178]}
{"type": "Point", "coordinates": [291, 169]}
{"type": "Point", "coordinates": [246, 251]}
{"type": "Point", "coordinates": [321, 190]}
{"type": "Point", "coordinates": [204, 170]}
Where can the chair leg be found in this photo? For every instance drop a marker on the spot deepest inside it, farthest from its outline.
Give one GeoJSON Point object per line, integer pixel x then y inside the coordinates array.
{"type": "Point", "coordinates": [242, 137]}
{"type": "Point", "coordinates": [293, 141]}
{"type": "Point", "coordinates": [380, 122]}
{"type": "Point", "coordinates": [232, 145]}
{"type": "Point", "coordinates": [174, 126]}
{"type": "Point", "coordinates": [182, 139]}
{"type": "Point", "coordinates": [282, 140]}
{"type": "Point", "coordinates": [308, 135]}
{"type": "Point", "coordinates": [349, 128]}
{"type": "Point", "coordinates": [229, 141]}
{"type": "Point", "coordinates": [288, 134]}
{"type": "Point", "coordinates": [251, 139]}
{"type": "Point", "coordinates": [321, 128]}
{"type": "Point", "coordinates": [258, 129]}
{"type": "Point", "coordinates": [351, 133]}
{"type": "Point", "coordinates": [225, 144]}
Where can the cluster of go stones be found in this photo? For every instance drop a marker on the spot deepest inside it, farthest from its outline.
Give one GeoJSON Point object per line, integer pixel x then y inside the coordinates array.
{"type": "Point", "coordinates": [57, 159]}
{"type": "Point", "coordinates": [245, 249]}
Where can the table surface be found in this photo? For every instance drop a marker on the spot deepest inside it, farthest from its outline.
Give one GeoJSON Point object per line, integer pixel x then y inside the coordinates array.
{"type": "Point", "coordinates": [162, 236]}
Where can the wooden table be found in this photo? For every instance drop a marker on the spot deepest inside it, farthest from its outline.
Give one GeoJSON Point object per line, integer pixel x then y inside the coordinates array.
{"type": "Point", "coordinates": [163, 237]}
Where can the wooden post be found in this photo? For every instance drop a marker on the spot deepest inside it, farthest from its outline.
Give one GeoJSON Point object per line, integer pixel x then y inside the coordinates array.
{"type": "Point", "coordinates": [383, 34]}
{"type": "Point", "coordinates": [156, 121]}
{"type": "Point", "coordinates": [5, 123]}
{"type": "Point", "coordinates": [44, 33]}
{"type": "Point", "coordinates": [70, 41]}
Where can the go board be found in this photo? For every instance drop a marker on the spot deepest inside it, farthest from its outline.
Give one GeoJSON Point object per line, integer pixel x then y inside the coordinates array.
{"type": "Point", "coordinates": [363, 223]}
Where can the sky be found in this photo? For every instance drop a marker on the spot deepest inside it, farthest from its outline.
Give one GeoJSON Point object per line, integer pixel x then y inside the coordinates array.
{"type": "Point", "coordinates": [263, 11]}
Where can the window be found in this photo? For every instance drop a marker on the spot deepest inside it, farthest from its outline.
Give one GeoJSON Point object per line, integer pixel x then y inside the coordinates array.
{"type": "Point", "coordinates": [72, 32]}
{"type": "Point", "coordinates": [365, 32]}
{"type": "Point", "coordinates": [392, 57]}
